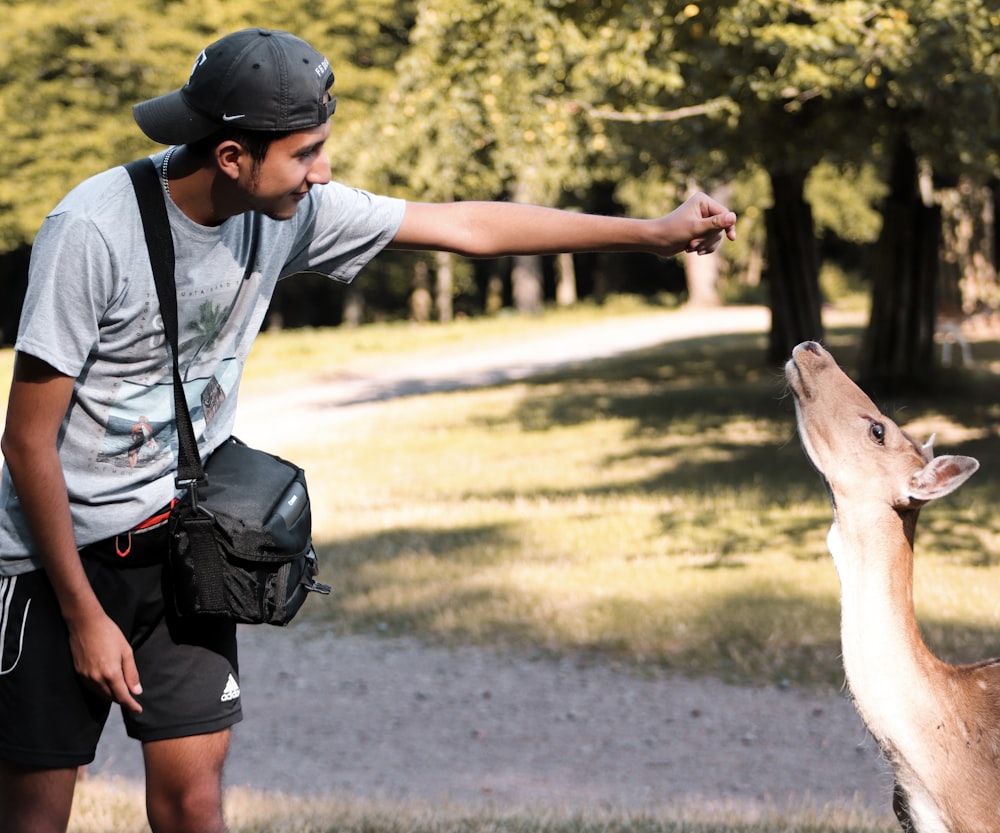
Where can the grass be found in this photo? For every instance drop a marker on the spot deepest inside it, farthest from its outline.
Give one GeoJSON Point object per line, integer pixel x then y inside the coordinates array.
{"type": "Point", "coordinates": [103, 806]}
{"type": "Point", "coordinates": [655, 511]}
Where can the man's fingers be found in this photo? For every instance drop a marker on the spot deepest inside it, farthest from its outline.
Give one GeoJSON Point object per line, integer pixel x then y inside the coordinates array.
{"type": "Point", "coordinates": [132, 686]}
{"type": "Point", "coordinates": [726, 220]}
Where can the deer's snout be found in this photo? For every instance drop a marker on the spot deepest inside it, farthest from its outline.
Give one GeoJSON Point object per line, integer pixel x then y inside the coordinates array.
{"type": "Point", "coordinates": [813, 347]}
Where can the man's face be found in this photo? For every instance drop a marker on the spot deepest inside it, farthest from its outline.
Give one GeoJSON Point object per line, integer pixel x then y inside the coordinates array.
{"type": "Point", "coordinates": [292, 166]}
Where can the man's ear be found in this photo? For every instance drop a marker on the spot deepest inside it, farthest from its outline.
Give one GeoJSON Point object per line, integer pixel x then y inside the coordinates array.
{"type": "Point", "coordinates": [230, 156]}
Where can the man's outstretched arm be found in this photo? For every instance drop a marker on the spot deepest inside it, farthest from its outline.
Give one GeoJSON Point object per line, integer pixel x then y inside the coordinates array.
{"type": "Point", "coordinates": [490, 229]}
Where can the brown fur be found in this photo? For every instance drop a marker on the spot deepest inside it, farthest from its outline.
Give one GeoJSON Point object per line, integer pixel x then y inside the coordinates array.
{"type": "Point", "coordinates": [938, 724]}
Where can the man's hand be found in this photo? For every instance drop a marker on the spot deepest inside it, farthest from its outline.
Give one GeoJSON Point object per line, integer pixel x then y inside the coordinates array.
{"type": "Point", "coordinates": [103, 658]}
{"type": "Point", "coordinates": [697, 226]}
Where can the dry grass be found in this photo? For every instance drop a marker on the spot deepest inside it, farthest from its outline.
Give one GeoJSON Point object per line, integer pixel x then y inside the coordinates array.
{"type": "Point", "coordinates": [655, 510]}
{"type": "Point", "coordinates": [117, 807]}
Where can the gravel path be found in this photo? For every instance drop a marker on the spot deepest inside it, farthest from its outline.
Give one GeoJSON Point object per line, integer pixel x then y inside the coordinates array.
{"type": "Point", "coordinates": [379, 717]}
{"type": "Point", "coordinates": [373, 717]}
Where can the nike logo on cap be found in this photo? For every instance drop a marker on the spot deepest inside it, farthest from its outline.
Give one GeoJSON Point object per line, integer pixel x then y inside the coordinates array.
{"type": "Point", "coordinates": [227, 117]}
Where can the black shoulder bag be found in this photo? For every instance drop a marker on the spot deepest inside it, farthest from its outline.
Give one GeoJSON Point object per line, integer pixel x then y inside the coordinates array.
{"type": "Point", "coordinates": [241, 534]}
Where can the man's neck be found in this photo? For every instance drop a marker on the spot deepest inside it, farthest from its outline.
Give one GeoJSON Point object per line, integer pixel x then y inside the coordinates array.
{"type": "Point", "coordinates": [199, 190]}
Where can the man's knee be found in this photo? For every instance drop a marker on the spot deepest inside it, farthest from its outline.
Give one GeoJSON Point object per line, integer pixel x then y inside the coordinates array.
{"type": "Point", "coordinates": [197, 809]}
{"type": "Point", "coordinates": [184, 783]}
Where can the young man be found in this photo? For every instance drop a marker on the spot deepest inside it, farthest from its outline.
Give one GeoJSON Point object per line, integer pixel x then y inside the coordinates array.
{"type": "Point", "coordinates": [249, 199]}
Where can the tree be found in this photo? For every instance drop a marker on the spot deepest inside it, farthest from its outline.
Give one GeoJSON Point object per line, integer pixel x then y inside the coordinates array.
{"type": "Point", "coordinates": [468, 116]}
{"type": "Point", "coordinates": [893, 81]}
{"type": "Point", "coordinates": [556, 101]}
{"type": "Point", "coordinates": [941, 92]}
{"type": "Point", "coordinates": [786, 86]}
{"type": "Point", "coordinates": [70, 71]}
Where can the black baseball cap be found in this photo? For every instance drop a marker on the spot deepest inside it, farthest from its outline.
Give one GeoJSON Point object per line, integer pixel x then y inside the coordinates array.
{"type": "Point", "coordinates": [256, 79]}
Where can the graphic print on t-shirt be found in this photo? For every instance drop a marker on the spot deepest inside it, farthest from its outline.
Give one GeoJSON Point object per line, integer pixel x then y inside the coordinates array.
{"type": "Point", "coordinates": [136, 432]}
{"type": "Point", "coordinates": [140, 429]}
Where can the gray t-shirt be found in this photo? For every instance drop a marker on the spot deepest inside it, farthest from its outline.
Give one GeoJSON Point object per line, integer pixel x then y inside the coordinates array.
{"type": "Point", "coordinates": [91, 312]}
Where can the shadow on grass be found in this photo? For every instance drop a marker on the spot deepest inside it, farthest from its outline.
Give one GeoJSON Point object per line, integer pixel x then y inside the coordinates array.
{"type": "Point", "coordinates": [703, 395]}
{"type": "Point", "coordinates": [766, 631]}
{"type": "Point", "coordinates": [690, 403]}
{"type": "Point", "coordinates": [713, 379]}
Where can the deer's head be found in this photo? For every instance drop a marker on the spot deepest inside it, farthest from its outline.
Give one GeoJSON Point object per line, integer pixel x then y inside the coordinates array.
{"type": "Point", "coordinates": [860, 452]}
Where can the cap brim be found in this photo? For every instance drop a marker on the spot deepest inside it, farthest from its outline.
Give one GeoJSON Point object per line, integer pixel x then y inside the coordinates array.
{"type": "Point", "coordinates": [168, 119]}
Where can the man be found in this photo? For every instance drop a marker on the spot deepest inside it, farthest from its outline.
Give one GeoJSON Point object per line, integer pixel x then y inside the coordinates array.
{"type": "Point", "coordinates": [249, 198]}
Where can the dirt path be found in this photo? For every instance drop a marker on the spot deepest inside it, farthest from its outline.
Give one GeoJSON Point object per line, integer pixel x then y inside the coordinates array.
{"type": "Point", "coordinates": [468, 366]}
{"type": "Point", "coordinates": [378, 717]}
{"type": "Point", "coordinates": [392, 718]}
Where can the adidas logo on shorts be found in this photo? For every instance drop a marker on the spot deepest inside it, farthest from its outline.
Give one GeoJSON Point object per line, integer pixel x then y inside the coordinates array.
{"type": "Point", "coordinates": [232, 690]}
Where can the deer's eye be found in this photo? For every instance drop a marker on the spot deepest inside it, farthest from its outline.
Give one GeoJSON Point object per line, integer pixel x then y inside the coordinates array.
{"type": "Point", "coordinates": [877, 432]}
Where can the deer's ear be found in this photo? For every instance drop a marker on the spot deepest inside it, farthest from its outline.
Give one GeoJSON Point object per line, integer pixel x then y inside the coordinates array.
{"type": "Point", "coordinates": [941, 476]}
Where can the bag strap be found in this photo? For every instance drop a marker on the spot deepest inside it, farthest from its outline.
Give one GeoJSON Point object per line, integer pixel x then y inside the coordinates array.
{"type": "Point", "coordinates": [160, 243]}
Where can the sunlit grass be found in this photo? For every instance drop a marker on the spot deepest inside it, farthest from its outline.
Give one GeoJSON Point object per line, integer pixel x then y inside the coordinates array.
{"type": "Point", "coordinates": [656, 509]}
{"type": "Point", "coordinates": [117, 807]}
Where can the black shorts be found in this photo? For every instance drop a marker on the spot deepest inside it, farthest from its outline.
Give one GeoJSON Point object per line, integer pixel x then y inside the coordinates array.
{"type": "Point", "coordinates": [48, 718]}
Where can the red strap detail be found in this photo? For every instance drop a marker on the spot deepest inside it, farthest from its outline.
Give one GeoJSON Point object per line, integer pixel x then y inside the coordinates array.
{"type": "Point", "coordinates": [122, 553]}
{"type": "Point", "coordinates": [156, 519]}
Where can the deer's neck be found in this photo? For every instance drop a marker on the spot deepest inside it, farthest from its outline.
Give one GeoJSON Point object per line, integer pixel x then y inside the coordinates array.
{"type": "Point", "coordinates": [891, 673]}
{"type": "Point", "coordinates": [937, 724]}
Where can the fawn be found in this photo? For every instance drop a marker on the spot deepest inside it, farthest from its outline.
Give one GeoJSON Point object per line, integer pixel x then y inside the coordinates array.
{"type": "Point", "coordinates": [937, 724]}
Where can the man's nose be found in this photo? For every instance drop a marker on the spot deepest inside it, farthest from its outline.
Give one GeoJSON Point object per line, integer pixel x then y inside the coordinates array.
{"type": "Point", "coordinates": [319, 173]}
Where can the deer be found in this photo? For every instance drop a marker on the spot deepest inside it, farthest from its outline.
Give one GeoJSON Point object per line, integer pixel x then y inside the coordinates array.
{"type": "Point", "coordinates": [937, 724]}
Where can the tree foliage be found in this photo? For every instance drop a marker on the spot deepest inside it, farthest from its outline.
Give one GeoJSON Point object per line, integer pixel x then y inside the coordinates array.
{"type": "Point", "coordinates": [468, 117]}
{"type": "Point", "coordinates": [548, 100]}
{"type": "Point", "coordinates": [71, 70]}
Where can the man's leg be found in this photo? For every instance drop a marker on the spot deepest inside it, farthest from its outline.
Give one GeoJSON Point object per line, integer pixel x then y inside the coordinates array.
{"type": "Point", "coordinates": [184, 783]}
{"type": "Point", "coordinates": [35, 800]}
{"type": "Point", "coordinates": [49, 723]}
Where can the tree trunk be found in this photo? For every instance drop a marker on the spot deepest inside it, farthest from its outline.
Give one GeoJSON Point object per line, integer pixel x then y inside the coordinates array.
{"type": "Point", "coordinates": [526, 284]}
{"type": "Point", "coordinates": [354, 306]}
{"type": "Point", "coordinates": [793, 268]}
{"type": "Point", "coordinates": [898, 348]}
{"type": "Point", "coordinates": [995, 238]}
{"type": "Point", "coordinates": [566, 282]}
{"type": "Point", "coordinates": [968, 276]}
{"type": "Point", "coordinates": [13, 285]}
{"type": "Point", "coordinates": [420, 298]}
{"type": "Point", "coordinates": [445, 286]}
{"type": "Point", "coordinates": [702, 273]}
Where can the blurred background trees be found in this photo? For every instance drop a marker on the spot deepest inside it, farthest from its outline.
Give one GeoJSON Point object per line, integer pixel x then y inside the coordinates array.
{"type": "Point", "coordinates": [854, 138]}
